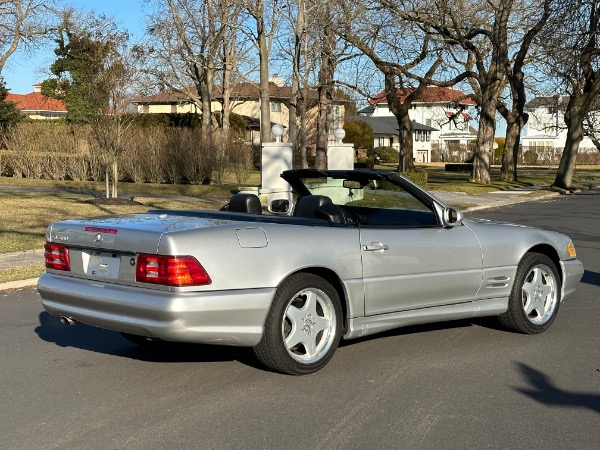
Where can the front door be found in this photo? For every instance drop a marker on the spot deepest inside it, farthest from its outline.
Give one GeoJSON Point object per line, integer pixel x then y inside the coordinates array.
{"type": "Point", "coordinates": [412, 268]}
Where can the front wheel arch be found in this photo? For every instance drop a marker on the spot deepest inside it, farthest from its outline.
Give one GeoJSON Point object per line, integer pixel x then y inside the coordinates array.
{"type": "Point", "coordinates": [551, 253]}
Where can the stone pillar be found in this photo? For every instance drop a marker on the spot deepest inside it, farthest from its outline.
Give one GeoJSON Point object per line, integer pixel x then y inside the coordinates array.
{"type": "Point", "coordinates": [340, 156]}
{"type": "Point", "coordinates": [276, 157]}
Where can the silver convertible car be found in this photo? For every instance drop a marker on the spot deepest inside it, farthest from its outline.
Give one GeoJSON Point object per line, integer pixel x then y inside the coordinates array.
{"type": "Point", "coordinates": [352, 253]}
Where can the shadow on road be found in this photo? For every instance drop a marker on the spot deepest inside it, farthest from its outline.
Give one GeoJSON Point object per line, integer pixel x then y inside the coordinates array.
{"type": "Point", "coordinates": [544, 391]}
{"type": "Point", "coordinates": [86, 337]}
{"type": "Point", "coordinates": [590, 277]}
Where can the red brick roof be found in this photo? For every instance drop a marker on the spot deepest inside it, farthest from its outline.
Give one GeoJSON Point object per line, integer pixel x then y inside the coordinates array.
{"type": "Point", "coordinates": [35, 101]}
{"type": "Point", "coordinates": [431, 94]}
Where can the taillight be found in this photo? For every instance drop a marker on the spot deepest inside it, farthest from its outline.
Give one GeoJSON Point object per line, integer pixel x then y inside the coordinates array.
{"type": "Point", "coordinates": [170, 270]}
{"type": "Point", "coordinates": [57, 256]}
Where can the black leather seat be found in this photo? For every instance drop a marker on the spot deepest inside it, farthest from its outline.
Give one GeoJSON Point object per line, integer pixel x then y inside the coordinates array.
{"type": "Point", "coordinates": [307, 205]}
{"type": "Point", "coordinates": [320, 207]}
{"type": "Point", "coordinates": [245, 203]}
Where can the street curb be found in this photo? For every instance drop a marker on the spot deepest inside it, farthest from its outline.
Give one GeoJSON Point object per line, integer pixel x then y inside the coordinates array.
{"type": "Point", "coordinates": [514, 202]}
{"type": "Point", "coordinates": [18, 284]}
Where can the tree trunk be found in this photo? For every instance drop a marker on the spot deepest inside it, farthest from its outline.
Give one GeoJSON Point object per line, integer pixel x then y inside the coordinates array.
{"type": "Point", "coordinates": [114, 178]}
{"type": "Point", "coordinates": [574, 120]}
{"type": "Point", "coordinates": [303, 139]}
{"type": "Point", "coordinates": [325, 95]}
{"type": "Point", "coordinates": [263, 57]}
{"type": "Point", "coordinates": [400, 111]}
{"type": "Point", "coordinates": [485, 140]}
{"type": "Point", "coordinates": [107, 179]}
{"type": "Point", "coordinates": [295, 94]}
{"type": "Point", "coordinates": [514, 125]}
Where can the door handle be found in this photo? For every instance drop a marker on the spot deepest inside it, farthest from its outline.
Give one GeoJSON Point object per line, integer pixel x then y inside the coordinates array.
{"type": "Point", "coordinates": [375, 246]}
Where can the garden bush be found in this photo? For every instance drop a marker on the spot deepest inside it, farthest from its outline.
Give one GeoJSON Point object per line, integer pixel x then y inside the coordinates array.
{"type": "Point", "coordinates": [386, 154]}
{"type": "Point", "coordinates": [155, 154]}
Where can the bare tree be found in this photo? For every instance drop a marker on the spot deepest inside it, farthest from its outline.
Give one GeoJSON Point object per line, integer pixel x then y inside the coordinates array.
{"type": "Point", "coordinates": [266, 15]}
{"type": "Point", "coordinates": [182, 53]}
{"type": "Point", "coordinates": [572, 54]}
{"type": "Point", "coordinates": [23, 23]}
{"type": "Point", "coordinates": [481, 32]}
{"type": "Point", "coordinates": [403, 52]}
{"type": "Point", "coordinates": [535, 19]}
{"type": "Point", "coordinates": [328, 62]}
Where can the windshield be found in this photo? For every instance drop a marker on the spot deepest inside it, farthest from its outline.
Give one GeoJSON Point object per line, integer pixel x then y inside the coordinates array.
{"type": "Point", "coordinates": [370, 193]}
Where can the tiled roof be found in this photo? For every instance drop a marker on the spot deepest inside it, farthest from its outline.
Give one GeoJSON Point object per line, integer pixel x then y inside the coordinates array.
{"type": "Point", "coordinates": [548, 102]}
{"type": "Point", "coordinates": [387, 125]}
{"type": "Point", "coordinates": [246, 91]}
{"type": "Point", "coordinates": [431, 94]}
{"type": "Point", "coordinates": [35, 101]}
{"type": "Point", "coordinates": [165, 97]}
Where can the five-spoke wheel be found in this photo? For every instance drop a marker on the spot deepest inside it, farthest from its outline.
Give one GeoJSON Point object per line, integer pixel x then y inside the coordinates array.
{"type": "Point", "coordinates": [303, 327]}
{"type": "Point", "coordinates": [535, 297]}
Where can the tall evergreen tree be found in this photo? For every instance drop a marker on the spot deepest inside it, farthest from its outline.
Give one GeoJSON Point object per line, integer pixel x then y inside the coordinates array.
{"type": "Point", "coordinates": [88, 62]}
{"type": "Point", "coordinates": [9, 113]}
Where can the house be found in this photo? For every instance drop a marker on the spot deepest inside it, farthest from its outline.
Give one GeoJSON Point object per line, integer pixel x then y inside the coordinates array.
{"type": "Point", "coordinates": [37, 106]}
{"type": "Point", "coordinates": [442, 116]}
{"type": "Point", "coordinates": [546, 131]}
{"type": "Point", "coordinates": [245, 101]}
{"type": "Point", "coordinates": [386, 134]}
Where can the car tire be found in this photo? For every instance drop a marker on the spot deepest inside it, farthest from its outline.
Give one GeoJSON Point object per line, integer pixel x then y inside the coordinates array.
{"type": "Point", "coordinates": [535, 295]}
{"type": "Point", "coordinates": [303, 327]}
{"type": "Point", "coordinates": [142, 341]}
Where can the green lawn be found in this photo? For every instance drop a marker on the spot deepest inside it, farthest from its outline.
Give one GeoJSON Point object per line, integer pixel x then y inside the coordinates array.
{"type": "Point", "coordinates": [26, 216]}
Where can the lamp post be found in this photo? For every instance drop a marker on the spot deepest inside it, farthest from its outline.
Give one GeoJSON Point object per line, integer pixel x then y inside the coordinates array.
{"type": "Point", "coordinates": [403, 132]}
{"type": "Point", "coordinates": [339, 134]}
{"type": "Point", "coordinates": [277, 131]}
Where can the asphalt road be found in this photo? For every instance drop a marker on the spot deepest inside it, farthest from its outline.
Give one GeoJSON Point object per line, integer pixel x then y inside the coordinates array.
{"type": "Point", "coordinates": [463, 385]}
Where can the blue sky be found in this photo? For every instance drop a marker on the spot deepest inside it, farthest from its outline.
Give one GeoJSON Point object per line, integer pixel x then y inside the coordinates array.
{"type": "Point", "coordinates": [24, 70]}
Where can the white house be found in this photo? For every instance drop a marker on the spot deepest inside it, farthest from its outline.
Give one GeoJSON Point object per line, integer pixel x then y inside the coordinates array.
{"type": "Point", "coordinates": [387, 134]}
{"type": "Point", "coordinates": [441, 113]}
{"type": "Point", "coordinates": [546, 131]}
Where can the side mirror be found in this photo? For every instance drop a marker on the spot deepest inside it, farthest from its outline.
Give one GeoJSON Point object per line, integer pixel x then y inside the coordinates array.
{"type": "Point", "coordinates": [280, 206]}
{"type": "Point", "coordinates": [453, 216]}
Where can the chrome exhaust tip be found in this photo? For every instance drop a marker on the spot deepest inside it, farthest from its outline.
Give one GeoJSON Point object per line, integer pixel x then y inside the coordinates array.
{"type": "Point", "coordinates": [67, 321]}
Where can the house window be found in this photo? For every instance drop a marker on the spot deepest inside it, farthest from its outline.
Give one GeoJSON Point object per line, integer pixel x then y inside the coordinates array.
{"type": "Point", "coordinates": [276, 107]}
{"type": "Point", "coordinates": [413, 106]}
{"type": "Point", "coordinates": [428, 122]}
{"type": "Point", "coordinates": [334, 119]}
{"type": "Point", "coordinates": [428, 136]}
{"type": "Point", "coordinates": [417, 136]}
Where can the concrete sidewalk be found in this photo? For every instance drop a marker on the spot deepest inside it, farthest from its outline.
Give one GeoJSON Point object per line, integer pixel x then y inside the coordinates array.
{"type": "Point", "coordinates": [475, 202]}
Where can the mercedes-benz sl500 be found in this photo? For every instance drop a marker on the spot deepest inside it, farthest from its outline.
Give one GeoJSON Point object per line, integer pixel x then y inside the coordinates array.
{"type": "Point", "coordinates": [351, 253]}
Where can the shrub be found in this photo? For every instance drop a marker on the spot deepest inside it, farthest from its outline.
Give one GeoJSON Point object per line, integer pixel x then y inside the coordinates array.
{"type": "Point", "coordinates": [367, 163]}
{"type": "Point", "coordinates": [530, 157]}
{"type": "Point", "coordinates": [386, 154]}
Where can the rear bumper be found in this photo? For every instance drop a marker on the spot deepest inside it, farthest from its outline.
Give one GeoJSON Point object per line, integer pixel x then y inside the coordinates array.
{"type": "Point", "coordinates": [233, 317]}
{"type": "Point", "coordinates": [572, 272]}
